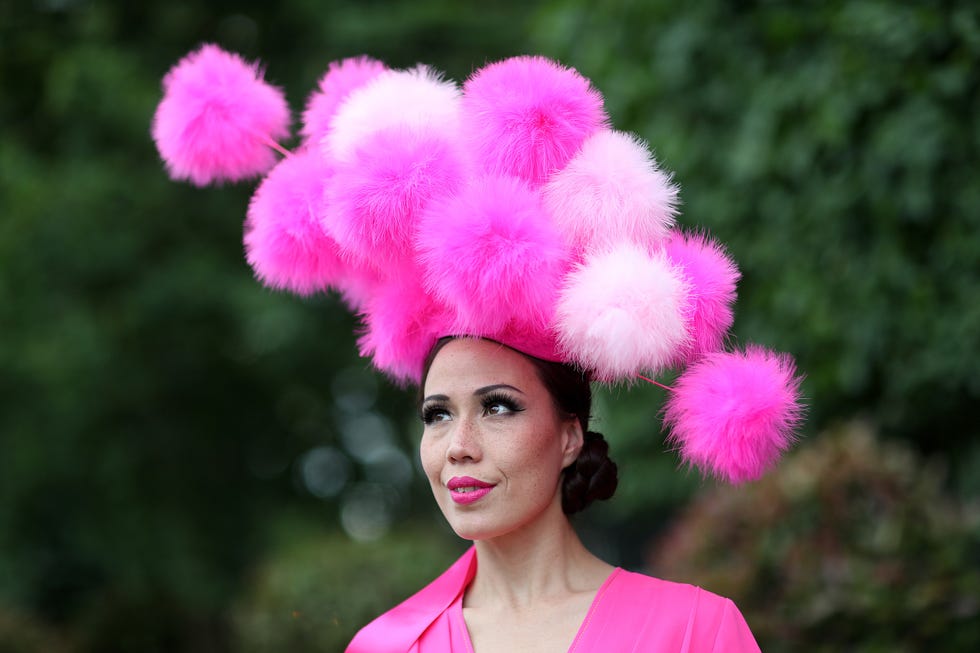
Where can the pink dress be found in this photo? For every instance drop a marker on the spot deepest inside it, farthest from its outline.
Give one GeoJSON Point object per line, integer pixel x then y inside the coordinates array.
{"type": "Point", "coordinates": [631, 612]}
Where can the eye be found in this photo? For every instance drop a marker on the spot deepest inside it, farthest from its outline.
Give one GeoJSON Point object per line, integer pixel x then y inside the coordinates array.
{"type": "Point", "coordinates": [500, 404]}
{"type": "Point", "coordinates": [497, 409]}
{"type": "Point", "coordinates": [433, 413]}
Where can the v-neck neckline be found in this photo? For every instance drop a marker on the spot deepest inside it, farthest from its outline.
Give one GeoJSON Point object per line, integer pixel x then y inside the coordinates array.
{"type": "Point", "coordinates": [583, 627]}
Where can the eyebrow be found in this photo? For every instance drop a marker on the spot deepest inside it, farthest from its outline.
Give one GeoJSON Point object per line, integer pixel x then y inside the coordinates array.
{"type": "Point", "coordinates": [487, 389]}
{"type": "Point", "coordinates": [498, 386]}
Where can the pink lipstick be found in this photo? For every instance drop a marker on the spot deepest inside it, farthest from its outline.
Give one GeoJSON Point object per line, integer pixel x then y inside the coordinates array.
{"type": "Point", "coordinates": [465, 489]}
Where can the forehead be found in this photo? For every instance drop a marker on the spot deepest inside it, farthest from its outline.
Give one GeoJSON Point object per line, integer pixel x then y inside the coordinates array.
{"type": "Point", "coordinates": [467, 363]}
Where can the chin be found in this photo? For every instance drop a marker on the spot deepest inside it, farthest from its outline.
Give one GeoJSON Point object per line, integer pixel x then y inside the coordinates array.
{"type": "Point", "coordinates": [477, 524]}
{"type": "Point", "coordinates": [476, 529]}
{"type": "Point", "coordinates": [486, 525]}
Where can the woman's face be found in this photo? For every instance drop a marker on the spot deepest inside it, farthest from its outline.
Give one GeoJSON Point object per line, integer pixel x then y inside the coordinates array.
{"type": "Point", "coordinates": [493, 444]}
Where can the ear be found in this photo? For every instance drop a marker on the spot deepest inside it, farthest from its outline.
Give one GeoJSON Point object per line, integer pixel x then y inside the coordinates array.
{"type": "Point", "coordinates": [572, 440]}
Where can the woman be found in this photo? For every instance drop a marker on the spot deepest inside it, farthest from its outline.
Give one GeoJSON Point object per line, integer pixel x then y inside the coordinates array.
{"type": "Point", "coordinates": [502, 245]}
{"type": "Point", "coordinates": [508, 456]}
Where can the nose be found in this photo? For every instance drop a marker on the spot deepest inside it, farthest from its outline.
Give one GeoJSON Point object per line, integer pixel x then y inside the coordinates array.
{"type": "Point", "coordinates": [464, 442]}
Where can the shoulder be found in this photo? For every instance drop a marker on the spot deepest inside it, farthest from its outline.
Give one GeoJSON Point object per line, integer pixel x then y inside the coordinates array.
{"type": "Point", "coordinates": [399, 628]}
{"type": "Point", "coordinates": [687, 616]}
{"type": "Point", "coordinates": [657, 590]}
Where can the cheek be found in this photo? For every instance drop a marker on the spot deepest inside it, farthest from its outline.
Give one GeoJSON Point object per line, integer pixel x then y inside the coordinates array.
{"type": "Point", "coordinates": [537, 458]}
{"type": "Point", "coordinates": [431, 458]}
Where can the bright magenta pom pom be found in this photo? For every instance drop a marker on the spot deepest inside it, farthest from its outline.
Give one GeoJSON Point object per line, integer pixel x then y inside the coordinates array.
{"type": "Point", "coordinates": [533, 340]}
{"type": "Point", "coordinates": [733, 414]}
{"type": "Point", "coordinates": [417, 98]}
{"type": "Point", "coordinates": [342, 77]}
{"type": "Point", "coordinates": [402, 323]}
{"type": "Point", "coordinates": [217, 118]}
{"type": "Point", "coordinates": [527, 116]}
{"type": "Point", "coordinates": [358, 286]}
{"type": "Point", "coordinates": [712, 276]}
{"type": "Point", "coordinates": [623, 312]}
{"type": "Point", "coordinates": [284, 242]}
{"type": "Point", "coordinates": [378, 194]}
{"type": "Point", "coordinates": [493, 255]}
{"type": "Point", "coordinates": [611, 192]}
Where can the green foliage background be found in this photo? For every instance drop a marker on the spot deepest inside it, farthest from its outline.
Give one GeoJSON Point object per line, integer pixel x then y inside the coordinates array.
{"type": "Point", "coordinates": [156, 404]}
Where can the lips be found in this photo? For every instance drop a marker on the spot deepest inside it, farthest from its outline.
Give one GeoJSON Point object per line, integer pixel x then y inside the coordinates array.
{"type": "Point", "coordinates": [465, 489]}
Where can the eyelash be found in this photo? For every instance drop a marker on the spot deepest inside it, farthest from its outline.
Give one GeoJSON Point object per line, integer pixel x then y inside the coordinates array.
{"type": "Point", "coordinates": [432, 411]}
{"type": "Point", "coordinates": [495, 398]}
{"type": "Point", "coordinates": [429, 413]}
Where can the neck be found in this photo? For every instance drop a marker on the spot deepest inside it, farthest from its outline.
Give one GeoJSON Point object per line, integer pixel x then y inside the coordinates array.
{"type": "Point", "coordinates": [544, 561]}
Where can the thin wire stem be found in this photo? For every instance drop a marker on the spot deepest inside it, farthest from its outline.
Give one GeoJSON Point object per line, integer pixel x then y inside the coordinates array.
{"type": "Point", "coordinates": [656, 383]}
{"type": "Point", "coordinates": [276, 146]}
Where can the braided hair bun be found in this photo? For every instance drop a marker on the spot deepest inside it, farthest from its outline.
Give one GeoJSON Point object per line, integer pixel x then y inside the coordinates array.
{"type": "Point", "coordinates": [592, 476]}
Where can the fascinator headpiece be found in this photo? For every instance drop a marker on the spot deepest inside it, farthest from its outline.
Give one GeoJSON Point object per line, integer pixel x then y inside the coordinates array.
{"type": "Point", "coordinates": [507, 209]}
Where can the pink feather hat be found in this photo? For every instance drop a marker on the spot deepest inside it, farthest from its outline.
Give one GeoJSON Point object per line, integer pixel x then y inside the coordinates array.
{"type": "Point", "coordinates": [506, 209]}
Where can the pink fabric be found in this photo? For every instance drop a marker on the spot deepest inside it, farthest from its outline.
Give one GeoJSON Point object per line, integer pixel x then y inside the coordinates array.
{"type": "Point", "coordinates": [631, 613]}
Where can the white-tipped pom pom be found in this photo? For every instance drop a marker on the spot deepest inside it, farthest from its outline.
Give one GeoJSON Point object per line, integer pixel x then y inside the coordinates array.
{"type": "Point", "coordinates": [623, 312]}
{"type": "Point", "coordinates": [414, 98]}
{"type": "Point", "coordinates": [612, 192]}
{"type": "Point", "coordinates": [342, 78]}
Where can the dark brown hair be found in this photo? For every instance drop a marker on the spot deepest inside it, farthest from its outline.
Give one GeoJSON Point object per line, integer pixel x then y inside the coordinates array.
{"type": "Point", "coordinates": [593, 475]}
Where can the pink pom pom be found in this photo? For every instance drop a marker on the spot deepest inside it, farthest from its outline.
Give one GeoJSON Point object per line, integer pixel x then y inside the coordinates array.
{"type": "Point", "coordinates": [532, 340]}
{"type": "Point", "coordinates": [402, 322]}
{"type": "Point", "coordinates": [527, 116]}
{"type": "Point", "coordinates": [414, 98]}
{"type": "Point", "coordinates": [623, 312]}
{"type": "Point", "coordinates": [611, 192]}
{"type": "Point", "coordinates": [712, 276]}
{"type": "Point", "coordinates": [218, 118]}
{"type": "Point", "coordinates": [733, 414]}
{"type": "Point", "coordinates": [358, 286]}
{"type": "Point", "coordinates": [284, 242]}
{"type": "Point", "coordinates": [377, 195]}
{"type": "Point", "coordinates": [492, 254]}
{"type": "Point", "coordinates": [341, 78]}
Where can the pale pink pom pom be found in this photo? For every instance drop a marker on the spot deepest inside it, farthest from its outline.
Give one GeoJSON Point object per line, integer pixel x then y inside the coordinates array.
{"type": "Point", "coordinates": [611, 192]}
{"type": "Point", "coordinates": [342, 77]}
{"type": "Point", "coordinates": [623, 312]}
{"type": "Point", "coordinates": [712, 276]}
{"type": "Point", "coordinates": [415, 98]}
{"type": "Point", "coordinates": [527, 116]}
{"type": "Point", "coordinates": [733, 414]}
{"type": "Point", "coordinates": [402, 322]}
{"type": "Point", "coordinates": [378, 194]}
{"type": "Point", "coordinates": [492, 254]}
{"type": "Point", "coordinates": [284, 242]}
{"type": "Point", "coordinates": [217, 118]}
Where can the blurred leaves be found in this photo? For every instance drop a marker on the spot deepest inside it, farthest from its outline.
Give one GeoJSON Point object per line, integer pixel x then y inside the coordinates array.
{"type": "Point", "coordinates": [319, 590]}
{"type": "Point", "coordinates": [21, 633]}
{"type": "Point", "coordinates": [849, 538]}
